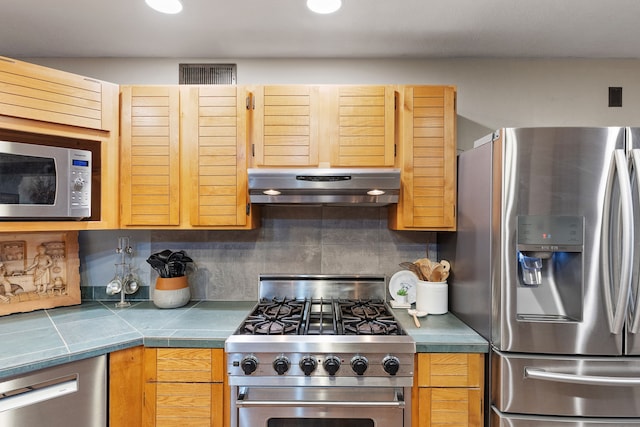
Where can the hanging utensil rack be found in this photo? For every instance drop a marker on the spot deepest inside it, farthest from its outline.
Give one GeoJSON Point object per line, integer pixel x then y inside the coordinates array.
{"type": "Point", "coordinates": [125, 255]}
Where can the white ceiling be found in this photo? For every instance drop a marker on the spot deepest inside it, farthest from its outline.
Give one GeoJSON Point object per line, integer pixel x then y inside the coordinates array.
{"type": "Point", "coordinates": [286, 29]}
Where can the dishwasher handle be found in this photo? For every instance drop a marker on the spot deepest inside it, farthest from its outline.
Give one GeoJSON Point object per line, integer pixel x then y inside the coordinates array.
{"type": "Point", "coordinates": [37, 393]}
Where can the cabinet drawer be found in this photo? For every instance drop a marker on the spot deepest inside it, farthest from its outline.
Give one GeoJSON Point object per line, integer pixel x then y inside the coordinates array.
{"type": "Point", "coordinates": [450, 370]}
{"type": "Point", "coordinates": [184, 365]}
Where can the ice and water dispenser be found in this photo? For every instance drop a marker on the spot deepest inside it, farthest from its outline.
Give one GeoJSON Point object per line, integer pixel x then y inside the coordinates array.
{"type": "Point", "coordinates": [550, 271]}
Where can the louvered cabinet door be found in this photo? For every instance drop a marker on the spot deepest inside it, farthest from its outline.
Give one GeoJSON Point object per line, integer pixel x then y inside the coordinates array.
{"type": "Point", "coordinates": [39, 93]}
{"type": "Point", "coordinates": [150, 155]}
{"type": "Point", "coordinates": [285, 125]}
{"type": "Point", "coordinates": [215, 144]}
{"type": "Point", "coordinates": [183, 387]}
{"type": "Point", "coordinates": [363, 132]}
{"type": "Point", "coordinates": [448, 390]}
{"type": "Point", "coordinates": [428, 160]}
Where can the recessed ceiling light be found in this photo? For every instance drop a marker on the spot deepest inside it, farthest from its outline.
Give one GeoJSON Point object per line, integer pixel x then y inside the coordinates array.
{"type": "Point", "coordinates": [324, 6]}
{"type": "Point", "coordinates": [165, 6]}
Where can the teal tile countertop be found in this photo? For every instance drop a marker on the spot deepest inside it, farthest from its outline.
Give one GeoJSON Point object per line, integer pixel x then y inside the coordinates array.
{"type": "Point", "coordinates": [30, 341]}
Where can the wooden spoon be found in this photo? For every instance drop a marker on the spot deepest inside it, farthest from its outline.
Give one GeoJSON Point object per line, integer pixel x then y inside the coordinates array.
{"type": "Point", "coordinates": [424, 265]}
{"type": "Point", "coordinates": [436, 273]}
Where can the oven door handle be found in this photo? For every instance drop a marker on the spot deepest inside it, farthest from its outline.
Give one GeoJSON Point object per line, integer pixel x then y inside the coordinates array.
{"type": "Point", "coordinates": [241, 402]}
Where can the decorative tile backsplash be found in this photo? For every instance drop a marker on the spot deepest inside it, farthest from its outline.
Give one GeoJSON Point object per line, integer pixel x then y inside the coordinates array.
{"type": "Point", "coordinates": [292, 239]}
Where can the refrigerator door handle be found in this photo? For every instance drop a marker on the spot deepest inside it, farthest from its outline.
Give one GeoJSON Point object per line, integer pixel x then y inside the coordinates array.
{"type": "Point", "coordinates": [635, 164]}
{"type": "Point", "coordinates": [544, 375]}
{"type": "Point", "coordinates": [617, 314]}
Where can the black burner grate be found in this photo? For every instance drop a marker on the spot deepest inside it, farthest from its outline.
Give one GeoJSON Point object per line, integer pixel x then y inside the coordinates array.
{"type": "Point", "coordinates": [275, 317]}
{"type": "Point", "coordinates": [321, 317]}
{"type": "Point", "coordinates": [367, 317]}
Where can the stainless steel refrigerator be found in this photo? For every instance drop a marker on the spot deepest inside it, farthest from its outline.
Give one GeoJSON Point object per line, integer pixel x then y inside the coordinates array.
{"type": "Point", "coordinates": [545, 266]}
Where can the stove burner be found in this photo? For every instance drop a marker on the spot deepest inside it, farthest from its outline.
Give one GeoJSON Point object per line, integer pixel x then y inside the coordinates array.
{"type": "Point", "coordinates": [355, 326]}
{"type": "Point", "coordinates": [367, 317]}
{"type": "Point", "coordinates": [275, 318]}
{"type": "Point", "coordinates": [363, 308]}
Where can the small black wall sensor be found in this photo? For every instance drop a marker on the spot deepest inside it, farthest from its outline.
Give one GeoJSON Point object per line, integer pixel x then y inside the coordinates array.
{"type": "Point", "coordinates": [615, 96]}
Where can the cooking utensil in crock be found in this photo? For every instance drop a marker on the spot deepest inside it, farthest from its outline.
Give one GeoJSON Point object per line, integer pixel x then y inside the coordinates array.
{"type": "Point", "coordinates": [158, 265]}
{"type": "Point", "coordinates": [425, 266]}
{"type": "Point", "coordinates": [412, 268]}
{"type": "Point", "coordinates": [416, 314]}
{"type": "Point", "coordinates": [436, 273]}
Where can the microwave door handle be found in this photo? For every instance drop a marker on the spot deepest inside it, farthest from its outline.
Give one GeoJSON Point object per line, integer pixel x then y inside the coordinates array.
{"type": "Point", "coordinates": [617, 313]}
{"type": "Point", "coordinates": [544, 375]}
{"type": "Point", "coordinates": [635, 166]}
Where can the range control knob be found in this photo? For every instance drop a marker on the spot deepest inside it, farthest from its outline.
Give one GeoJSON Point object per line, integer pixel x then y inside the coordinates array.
{"type": "Point", "coordinates": [249, 364]}
{"type": "Point", "coordinates": [331, 365]}
{"type": "Point", "coordinates": [308, 364]}
{"type": "Point", "coordinates": [359, 364]}
{"type": "Point", "coordinates": [281, 365]}
{"type": "Point", "coordinates": [391, 365]}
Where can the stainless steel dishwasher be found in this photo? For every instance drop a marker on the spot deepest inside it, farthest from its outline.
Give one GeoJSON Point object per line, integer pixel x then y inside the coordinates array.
{"type": "Point", "coordinates": [69, 395]}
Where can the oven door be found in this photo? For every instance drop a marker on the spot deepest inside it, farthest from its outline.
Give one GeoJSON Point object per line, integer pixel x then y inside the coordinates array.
{"type": "Point", "coordinates": [320, 406]}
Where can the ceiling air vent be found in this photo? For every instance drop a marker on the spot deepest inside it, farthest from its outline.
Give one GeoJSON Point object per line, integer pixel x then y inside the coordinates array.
{"type": "Point", "coordinates": [207, 74]}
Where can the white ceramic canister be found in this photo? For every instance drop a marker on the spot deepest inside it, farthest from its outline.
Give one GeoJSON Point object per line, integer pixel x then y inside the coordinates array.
{"type": "Point", "coordinates": [432, 297]}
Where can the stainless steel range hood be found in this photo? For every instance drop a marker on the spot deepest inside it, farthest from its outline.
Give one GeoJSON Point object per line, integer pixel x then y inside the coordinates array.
{"type": "Point", "coordinates": [325, 186]}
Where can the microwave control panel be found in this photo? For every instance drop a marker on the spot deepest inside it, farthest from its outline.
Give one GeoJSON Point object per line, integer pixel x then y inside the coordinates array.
{"type": "Point", "coordinates": [80, 176]}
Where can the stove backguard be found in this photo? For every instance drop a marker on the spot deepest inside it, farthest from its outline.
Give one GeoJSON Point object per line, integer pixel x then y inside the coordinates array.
{"type": "Point", "coordinates": [322, 286]}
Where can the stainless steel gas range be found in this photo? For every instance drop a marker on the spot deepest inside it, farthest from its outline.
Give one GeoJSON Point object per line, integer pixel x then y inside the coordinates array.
{"type": "Point", "coordinates": [319, 351]}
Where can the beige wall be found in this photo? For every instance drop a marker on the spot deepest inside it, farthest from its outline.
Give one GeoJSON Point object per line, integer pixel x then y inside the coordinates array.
{"type": "Point", "coordinates": [492, 93]}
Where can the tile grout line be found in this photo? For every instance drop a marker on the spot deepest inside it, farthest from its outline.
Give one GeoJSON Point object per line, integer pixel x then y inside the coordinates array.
{"type": "Point", "coordinates": [58, 331]}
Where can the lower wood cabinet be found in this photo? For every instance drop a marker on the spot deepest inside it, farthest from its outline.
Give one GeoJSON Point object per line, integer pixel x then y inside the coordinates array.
{"type": "Point", "coordinates": [167, 387]}
{"type": "Point", "coordinates": [448, 390]}
{"type": "Point", "coordinates": [126, 387]}
{"type": "Point", "coordinates": [183, 387]}
{"type": "Point", "coordinates": [187, 387]}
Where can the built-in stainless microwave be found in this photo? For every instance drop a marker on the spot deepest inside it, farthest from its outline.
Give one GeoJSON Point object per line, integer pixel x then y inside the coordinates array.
{"type": "Point", "coordinates": [44, 182]}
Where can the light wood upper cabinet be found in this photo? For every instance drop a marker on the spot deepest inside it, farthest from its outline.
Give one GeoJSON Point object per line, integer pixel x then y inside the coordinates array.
{"type": "Point", "coordinates": [323, 126]}
{"type": "Point", "coordinates": [427, 157]}
{"type": "Point", "coordinates": [39, 93]}
{"type": "Point", "coordinates": [363, 126]}
{"type": "Point", "coordinates": [448, 390]}
{"type": "Point", "coordinates": [214, 135]}
{"type": "Point", "coordinates": [184, 157]}
{"type": "Point", "coordinates": [285, 125]}
{"type": "Point", "coordinates": [40, 105]}
{"type": "Point", "coordinates": [150, 155]}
